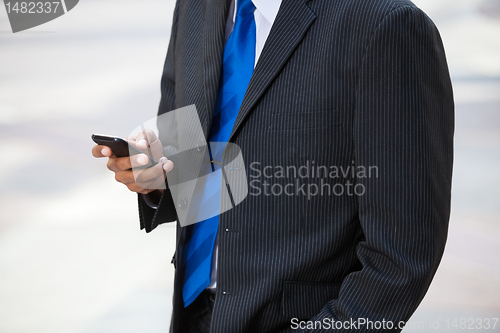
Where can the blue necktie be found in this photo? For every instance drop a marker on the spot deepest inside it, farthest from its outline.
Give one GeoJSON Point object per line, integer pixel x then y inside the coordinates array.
{"type": "Point", "coordinates": [237, 70]}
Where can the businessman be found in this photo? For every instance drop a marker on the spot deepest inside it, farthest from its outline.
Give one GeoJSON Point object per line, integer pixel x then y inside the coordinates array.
{"type": "Point", "coordinates": [344, 114]}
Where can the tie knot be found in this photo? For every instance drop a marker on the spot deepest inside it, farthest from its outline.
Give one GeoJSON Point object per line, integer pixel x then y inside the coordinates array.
{"type": "Point", "coordinates": [245, 7]}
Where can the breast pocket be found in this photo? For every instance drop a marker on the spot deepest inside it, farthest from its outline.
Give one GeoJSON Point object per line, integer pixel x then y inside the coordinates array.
{"type": "Point", "coordinates": [304, 300]}
{"type": "Point", "coordinates": [304, 120]}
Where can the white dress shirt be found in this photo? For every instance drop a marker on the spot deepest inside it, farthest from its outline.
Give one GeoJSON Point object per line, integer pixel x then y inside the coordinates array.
{"type": "Point", "coordinates": [264, 14]}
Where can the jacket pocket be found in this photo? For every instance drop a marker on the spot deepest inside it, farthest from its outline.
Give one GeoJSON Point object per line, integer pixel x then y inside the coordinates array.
{"type": "Point", "coordinates": [304, 120]}
{"type": "Point", "coordinates": [304, 300]}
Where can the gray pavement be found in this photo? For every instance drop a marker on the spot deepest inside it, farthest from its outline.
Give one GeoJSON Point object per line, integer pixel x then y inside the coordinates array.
{"type": "Point", "coordinates": [72, 259]}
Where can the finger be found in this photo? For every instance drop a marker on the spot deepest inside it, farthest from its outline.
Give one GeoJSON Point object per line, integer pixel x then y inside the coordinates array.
{"type": "Point", "coordinates": [168, 166]}
{"type": "Point", "coordinates": [125, 177]}
{"type": "Point", "coordinates": [139, 160]}
{"type": "Point", "coordinates": [152, 178]}
{"type": "Point", "coordinates": [145, 139]}
{"type": "Point", "coordinates": [146, 176]}
{"type": "Point", "coordinates": [101, 151]}
{"type": "Point", "coordinates": [117, 164]}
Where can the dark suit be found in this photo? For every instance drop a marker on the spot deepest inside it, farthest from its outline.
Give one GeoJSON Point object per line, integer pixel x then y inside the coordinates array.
{"type": "Point", "coordinates": [340, 83]}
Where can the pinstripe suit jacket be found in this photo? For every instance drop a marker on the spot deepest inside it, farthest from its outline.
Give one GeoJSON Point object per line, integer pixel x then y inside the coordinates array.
{"type": "Point", "coordinates": [339, 83]}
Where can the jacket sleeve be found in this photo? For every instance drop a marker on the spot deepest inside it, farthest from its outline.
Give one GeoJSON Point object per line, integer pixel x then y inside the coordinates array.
{"type": "Point", "coordinates": [404, 124]}
{"type": "Point", "coordinates": [150, 217]}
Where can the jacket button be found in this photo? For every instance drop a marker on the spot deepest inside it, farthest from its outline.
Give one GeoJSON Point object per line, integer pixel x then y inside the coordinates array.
{"type": "Point", "coordinates": [182, 204]}
{"type": "Point", "coordinates": [199, 145]}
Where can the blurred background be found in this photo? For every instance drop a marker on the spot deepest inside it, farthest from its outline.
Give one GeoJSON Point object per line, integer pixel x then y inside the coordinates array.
{"type": "Point", "coordinates": [72, 258]}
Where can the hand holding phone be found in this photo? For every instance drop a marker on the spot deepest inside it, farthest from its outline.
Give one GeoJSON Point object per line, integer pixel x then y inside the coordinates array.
{"type": "Point", "coordinates": [122, 148]}
{"type": "Point", "coordinates": [137, 162]}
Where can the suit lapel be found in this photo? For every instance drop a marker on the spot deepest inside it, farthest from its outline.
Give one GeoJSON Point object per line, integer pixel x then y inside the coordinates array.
{"type": "Point", "coordinates": [293, 21]}
{"type": "Point", "coordinates": [213, 49]}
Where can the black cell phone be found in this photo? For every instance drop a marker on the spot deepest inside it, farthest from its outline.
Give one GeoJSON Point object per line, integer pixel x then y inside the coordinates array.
{"type": "Point", "coordinates": [121, 148]}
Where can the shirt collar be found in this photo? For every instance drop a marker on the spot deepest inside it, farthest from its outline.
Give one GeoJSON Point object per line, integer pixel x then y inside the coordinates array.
{"type": "Point", "coordinates": [268, 8]}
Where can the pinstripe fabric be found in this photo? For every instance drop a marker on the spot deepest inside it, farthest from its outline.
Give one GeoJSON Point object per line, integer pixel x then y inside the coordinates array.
{"type": "Point", "coordinates": [237, 69]}
{"type": "Point", "coordinates": [339, 83]}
